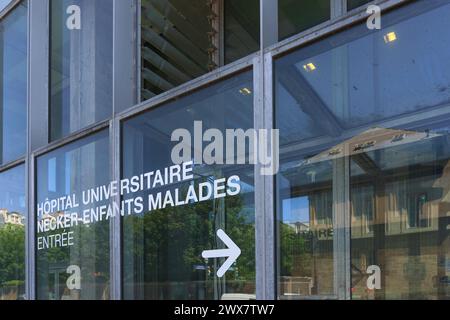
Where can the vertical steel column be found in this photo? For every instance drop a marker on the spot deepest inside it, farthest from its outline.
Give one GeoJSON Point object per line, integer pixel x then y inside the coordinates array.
{"type": "Point", "coordinates": [341, 227]}
{"type": "Point", "coordinates": [260, 247]}
{"type": "Point", "coordinates": [125, 95]}
{"type": "Point", "coordinates": [125, 54]}
{"type": "Point", "coordinates": [264, 185]}
{"type": "Point", "coordinates": [138, 45]}
{"type": "Point", "coordinates": [116, 222]}
{"type": "Point", "coordinates": [338, 8]}
{"type": "Point", "coordinates": [341, 177]}
{"type": "Point", "coordinates": [269, 184]}
{"type": "Point", "coordinates": [38, 73]}
{"type": "Point", "coordinates": [269, 22]}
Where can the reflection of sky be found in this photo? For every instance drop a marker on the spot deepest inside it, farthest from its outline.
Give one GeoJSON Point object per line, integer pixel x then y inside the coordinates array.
{"type": "Point", "coordinates": [366, 79]}
{"type": "Point", "coordinates": [12, 190]}
{"type": "Point", "coordinates": [386, 79]}
{"type": "Point", "coordinates": [52, 175]}
{"type": "Point", "coordinates": [4, 3]}
{"type": "Point", "coordinates": [296, 210]}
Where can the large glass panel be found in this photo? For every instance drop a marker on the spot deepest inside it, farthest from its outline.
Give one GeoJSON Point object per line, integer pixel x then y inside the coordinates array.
{"type": "Point", "coordinates": [12, 234]}
{"type": "Point", "coordinates": [182, 40]}
{"type": "Point", "coordinates": [163, 245]}
{"type": "Point", "coordinates": [400, 216]}
{"type": "Point", "coordinates": [242, 28]}
{"type": "Point", "coordinates": [364, 126]}
{"type": "Point", "coordinates": [72, 255]}
{"type": "Point", "coordinates": [80, 65]}
{"type": "Point", "coordinates": [295, 16]}
{"type": "Point", "coordinates": [13, 84]}
{"type": "Point", "coordinates": [352, 4]}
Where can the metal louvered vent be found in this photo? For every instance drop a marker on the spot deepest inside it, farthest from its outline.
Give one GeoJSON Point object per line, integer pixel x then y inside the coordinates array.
{"type": "Point", "coordinates": [180, 41]}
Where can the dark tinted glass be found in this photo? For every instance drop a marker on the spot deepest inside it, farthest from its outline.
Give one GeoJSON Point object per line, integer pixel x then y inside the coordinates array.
{"type": "Point", "coordinates": [13, 85]}
{"type": "Point", "coordinates": [80, 64]}
{"type": "Point", "coordinates": [182, 40]}
{"type": "Point", "coordinates": [242, 28]}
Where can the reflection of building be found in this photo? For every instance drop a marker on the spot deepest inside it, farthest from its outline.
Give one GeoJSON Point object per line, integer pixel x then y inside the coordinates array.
{"type": "Point", "coordinates": [397, 212]}
{"type": "Point", "coordinates": [13, 218]}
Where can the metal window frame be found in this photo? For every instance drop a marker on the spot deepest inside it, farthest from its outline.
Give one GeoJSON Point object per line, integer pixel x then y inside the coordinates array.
{"type": "Point", "coordinates": [262, 64]}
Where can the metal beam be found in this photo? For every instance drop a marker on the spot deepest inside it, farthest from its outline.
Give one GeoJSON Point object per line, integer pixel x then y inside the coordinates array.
{"type": "Point", "coordinates": [37, 122]}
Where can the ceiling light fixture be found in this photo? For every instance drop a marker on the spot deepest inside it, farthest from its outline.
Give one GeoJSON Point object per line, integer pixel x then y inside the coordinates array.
{"type": "Point", "coordinates": [309, 67]}
{"type": "Point", "coordinates": [245, 91]}
{"type": "Point", "coordinates": [390, 37]}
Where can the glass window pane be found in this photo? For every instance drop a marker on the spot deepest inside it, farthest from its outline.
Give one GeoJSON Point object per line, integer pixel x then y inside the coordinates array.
{"type": "Point", "coordinates": [4, 4]}
{"type": "Point", "coordinates": [182, 40]}
{"type": "Point", "coordinates": [295, 16]}
{"type": "Point", "coordinates": [361, 145]}
{"type": "Point", "coordinates": [399, 216]}
{"type": "Point", "coordinates": [13, 87]}
{"type": "Point", "coordinates": [72, 257]}
{"type": "Point", "coordinates": [242, 28]}
{"type": "Point", "coordinates": [80, 65]}
{"type": "Point", "coordinates": [162, 253]}
{"type": "Point", "coordinates": [12, 234]}
{"type": "Point", "coordinates": [352, 4]}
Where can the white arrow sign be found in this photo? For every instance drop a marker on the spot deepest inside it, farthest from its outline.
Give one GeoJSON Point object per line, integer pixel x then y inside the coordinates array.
{"type": "Point", "coordinates": [232, 253]}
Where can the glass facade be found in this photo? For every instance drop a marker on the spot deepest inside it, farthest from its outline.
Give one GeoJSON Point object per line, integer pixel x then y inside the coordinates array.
{"type": "Point", "coordinates": [134, 135]}
{"type": "Point", "coordinates": [162, 248]}
{"type": "Point", "coordinates": [13, 85]}
{"type": "Point", "coordinates": [295, 16]}
{"type": "Point", "coordinates": [352, 4]}
{"type": "Point", "coordinates": [184, 40]}
{"type": "Point", "coordinates": [72, 252]}
{"type": "Point", "coordinates": [363, 162]}
{"type": "Point", "coordinates": [80, 64]}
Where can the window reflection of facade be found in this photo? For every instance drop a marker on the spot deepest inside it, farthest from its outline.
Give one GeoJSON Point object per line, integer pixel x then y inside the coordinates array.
{"type": "Point", "coordinates": [161, 257]}
{"type": "Point", "coordinates": [363, 187]}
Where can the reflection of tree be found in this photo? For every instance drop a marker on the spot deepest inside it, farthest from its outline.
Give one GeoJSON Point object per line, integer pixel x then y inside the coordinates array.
{"type": "Point", "coordinates": [163, 248]}
{"type": "Point", "coordinates": [296, 257]}
{"type": "Point", "coordinates": [12, 255]}
{"type": "Point", "coordinates": [90, 252]}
